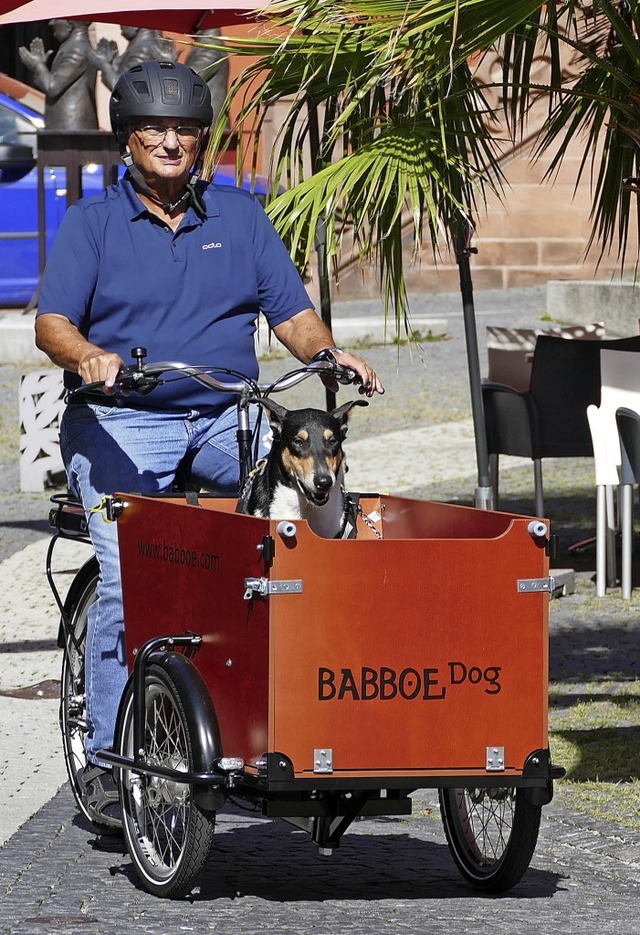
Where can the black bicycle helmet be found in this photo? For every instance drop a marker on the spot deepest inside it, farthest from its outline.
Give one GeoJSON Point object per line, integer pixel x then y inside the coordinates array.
{"type": "Point", "coordinates": [159, 89]}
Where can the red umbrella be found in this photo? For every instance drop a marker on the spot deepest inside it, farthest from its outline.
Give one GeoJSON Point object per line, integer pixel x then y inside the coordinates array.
{"type": "Point", "coordinates": [168, 15]}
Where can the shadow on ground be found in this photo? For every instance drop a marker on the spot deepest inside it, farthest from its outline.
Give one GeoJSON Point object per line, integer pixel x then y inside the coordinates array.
{"type": "Point", "coordinates": [272, 861]}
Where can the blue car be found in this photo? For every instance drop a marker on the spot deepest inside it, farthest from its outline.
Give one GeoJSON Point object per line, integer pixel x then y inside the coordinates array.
{"type": "Point", "coordinates": [21, 116]}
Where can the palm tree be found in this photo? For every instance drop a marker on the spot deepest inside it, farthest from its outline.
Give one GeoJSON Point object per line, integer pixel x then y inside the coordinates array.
{"type": "Point", "coordinates": [383, 95]}
{"type": "Point", "coordinates": [601, 107]}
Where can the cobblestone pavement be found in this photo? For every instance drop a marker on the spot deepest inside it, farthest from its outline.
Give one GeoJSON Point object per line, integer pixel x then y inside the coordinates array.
{"type": "Point", "coordinates": [389, 874]}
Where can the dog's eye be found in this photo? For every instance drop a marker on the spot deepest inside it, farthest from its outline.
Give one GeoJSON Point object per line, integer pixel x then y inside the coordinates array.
{"type": "Point", "coordinates": [298, 444]}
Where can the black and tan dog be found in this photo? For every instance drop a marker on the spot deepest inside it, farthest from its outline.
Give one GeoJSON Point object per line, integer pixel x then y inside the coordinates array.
{"type": "Point", "coordinates": [303, 474]}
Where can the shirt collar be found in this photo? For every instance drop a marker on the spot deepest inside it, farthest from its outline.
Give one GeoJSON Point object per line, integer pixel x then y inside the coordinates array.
{"type": "Point", "coordinates": [138, 210]}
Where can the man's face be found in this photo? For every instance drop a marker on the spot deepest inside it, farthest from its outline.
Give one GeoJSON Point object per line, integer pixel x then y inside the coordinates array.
{"type": "Point", "coordinates": [164, 159]}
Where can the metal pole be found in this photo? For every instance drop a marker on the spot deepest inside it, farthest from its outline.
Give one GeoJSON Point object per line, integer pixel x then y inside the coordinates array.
{"type": "Point", "coordinates": [484, 496]}
{"type": "Point", "coordinates": [320, 244]}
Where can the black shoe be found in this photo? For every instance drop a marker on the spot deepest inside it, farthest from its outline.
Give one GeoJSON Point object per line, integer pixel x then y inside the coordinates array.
{"type": "Point", "coordinates": [101, 797]}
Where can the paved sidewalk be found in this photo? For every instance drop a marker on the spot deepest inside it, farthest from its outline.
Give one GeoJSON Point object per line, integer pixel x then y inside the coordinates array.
{"type": "Point", "coordinates": [390, 875]}
{"type": "Point", "coordinates": [32, 766]}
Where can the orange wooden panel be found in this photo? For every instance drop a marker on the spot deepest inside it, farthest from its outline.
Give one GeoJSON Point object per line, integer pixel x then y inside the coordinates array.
{"type": "Point", "coordinates": [185, 570]}
{"type": "Point", "coordinates": [411, 654]}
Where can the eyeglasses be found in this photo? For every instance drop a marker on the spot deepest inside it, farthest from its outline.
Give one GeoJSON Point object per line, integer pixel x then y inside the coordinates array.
{"type": "Point", "coordinates": [154, 135]}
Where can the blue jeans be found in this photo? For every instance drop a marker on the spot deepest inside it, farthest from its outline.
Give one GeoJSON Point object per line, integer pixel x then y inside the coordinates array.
{"type": "Point", "coordinates": [107, 449]}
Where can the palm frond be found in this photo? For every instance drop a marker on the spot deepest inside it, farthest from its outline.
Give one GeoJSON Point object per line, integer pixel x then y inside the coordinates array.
{"type": "Point", "coordinates": [598, 111]}
{"type": "Point", "coordinates": [383, 93]}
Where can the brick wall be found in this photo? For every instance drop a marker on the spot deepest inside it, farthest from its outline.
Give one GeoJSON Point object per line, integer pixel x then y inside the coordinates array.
{"type": "Point", "coordinates": [537, 232]}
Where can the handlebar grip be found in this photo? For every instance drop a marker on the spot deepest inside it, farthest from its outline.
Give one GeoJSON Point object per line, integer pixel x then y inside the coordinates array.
{"type": "Point", "coordinates": [346, 376]}
{"type": "Point", "coordinates": [84, 388]}
{"type": "Point", "coordinates": [129, 378]}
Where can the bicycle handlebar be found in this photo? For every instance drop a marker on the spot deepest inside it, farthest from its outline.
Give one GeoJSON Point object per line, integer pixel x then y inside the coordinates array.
{"type": "Point", "coordinates": [143, 378]}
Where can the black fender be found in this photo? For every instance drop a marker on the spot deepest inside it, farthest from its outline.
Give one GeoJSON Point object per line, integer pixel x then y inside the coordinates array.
{"type": "Point", "coordinates": [88, 571]}
{"type": "Point", "coordinates": [538, 765]}
{"type": "Point", "coordinates": [200, 717]}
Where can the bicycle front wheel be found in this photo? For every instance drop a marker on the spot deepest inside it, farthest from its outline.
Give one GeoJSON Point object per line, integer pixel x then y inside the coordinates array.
{"type": "Point", "coordinates": [168, 835]}
{"type": "Point", "coordinates": [491, 833]}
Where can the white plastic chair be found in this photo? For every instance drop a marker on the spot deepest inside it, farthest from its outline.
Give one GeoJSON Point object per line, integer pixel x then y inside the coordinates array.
{"type": "Point", "coordinates": [628, 423]}
{"type": "Point", "coordinates": [620, 388]}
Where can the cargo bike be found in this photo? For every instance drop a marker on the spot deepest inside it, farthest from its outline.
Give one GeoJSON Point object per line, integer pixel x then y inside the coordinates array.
{"type": "Point", "coordinates": [319, 680]}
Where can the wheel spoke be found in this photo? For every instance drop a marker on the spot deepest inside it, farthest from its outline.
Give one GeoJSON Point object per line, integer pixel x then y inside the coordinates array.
{"type": "Point", "coordinates": [491, 845]}
{"type": "Point", "coordinates": [487, 821]}
{"type": "Point", "coordinates": [165, 812]}
{"type": "Point", "coordinates": [168, 836]}
{"type": "Point", "coordinates": [73, 723]}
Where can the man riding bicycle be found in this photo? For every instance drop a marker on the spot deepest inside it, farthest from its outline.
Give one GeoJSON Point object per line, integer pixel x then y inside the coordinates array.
{"type": "Point", "coordinates": [183, 267]}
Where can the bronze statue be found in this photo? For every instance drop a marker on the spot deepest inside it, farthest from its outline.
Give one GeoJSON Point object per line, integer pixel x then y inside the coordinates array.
{"type": "Point", "coordinates": [144, 45]}
{"type": "Point", "coordinates": [69, 85]}
{"type": "Point", "coordinates": [212, 65]}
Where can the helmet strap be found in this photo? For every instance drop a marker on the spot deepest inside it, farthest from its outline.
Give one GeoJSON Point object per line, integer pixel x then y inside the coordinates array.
{"type": "Point", "coordinates": [189, 195]}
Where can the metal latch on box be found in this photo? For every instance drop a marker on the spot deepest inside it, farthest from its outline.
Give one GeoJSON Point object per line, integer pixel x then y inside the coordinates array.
{"type": "Point", "coordinates": [495, 759]}
{"type": "Point", "coordinates": [263, 587]}
{"type": "Point", "coordinates": [323, 760]}
{"type": "Point", "coordinates": [527, 585]}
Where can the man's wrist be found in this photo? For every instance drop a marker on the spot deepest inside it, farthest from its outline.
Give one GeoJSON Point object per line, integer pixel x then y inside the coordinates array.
{"type": "Point", "coordinates": [327, 353]}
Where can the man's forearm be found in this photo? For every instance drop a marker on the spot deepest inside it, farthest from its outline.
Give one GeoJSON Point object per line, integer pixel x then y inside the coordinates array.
{"type": "Point", "coordinates": [304, 335]}
{"type": "Point", "coordinates": [62, 342]}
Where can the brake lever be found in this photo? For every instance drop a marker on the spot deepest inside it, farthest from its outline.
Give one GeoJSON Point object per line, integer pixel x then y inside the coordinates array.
{"type": "Point", "coordinates": [131, 378]}
{"type": "Point", "coordinates": [347, 376]}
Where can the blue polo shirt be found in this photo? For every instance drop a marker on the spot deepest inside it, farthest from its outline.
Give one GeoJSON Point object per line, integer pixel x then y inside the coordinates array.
{"type": "Point", "coordinates": [125, 279]}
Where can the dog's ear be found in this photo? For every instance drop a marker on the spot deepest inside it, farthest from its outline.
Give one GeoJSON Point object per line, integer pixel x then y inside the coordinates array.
{"type": "Point", "coordinates": [275, 412]}
{"type": "Point", "coordinates": [343, 412]}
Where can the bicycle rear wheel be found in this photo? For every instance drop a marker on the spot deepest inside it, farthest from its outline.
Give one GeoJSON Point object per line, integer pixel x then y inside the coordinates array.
{"type": "Point", "coordinates": [491, 833]}
{"type": "Point", "coordinates": [73, 707]}
{"type": "Point", "coordinates": [168, 834]}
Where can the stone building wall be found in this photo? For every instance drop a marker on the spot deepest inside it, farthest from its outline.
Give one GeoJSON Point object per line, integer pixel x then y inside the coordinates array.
{"type": "Point", "coordinates": [537, 231]}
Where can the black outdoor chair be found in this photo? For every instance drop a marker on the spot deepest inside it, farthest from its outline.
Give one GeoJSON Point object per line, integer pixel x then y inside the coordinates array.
{"type": "Point", "coordinates": [549, 420]}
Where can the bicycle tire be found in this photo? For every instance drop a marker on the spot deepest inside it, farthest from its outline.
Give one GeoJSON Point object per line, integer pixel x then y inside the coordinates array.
{"type": "Point", "coordinates": [72, 713]}
{"type": "Point", "coordinates": [168, 834]}
{"type": "Point", "coordinates": [491, 833]}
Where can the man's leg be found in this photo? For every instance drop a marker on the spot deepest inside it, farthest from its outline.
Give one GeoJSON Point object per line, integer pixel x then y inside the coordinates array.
{"type": "Point", "coordinates": [215, 463]}
{"type": "Point", "coordinates": [107, 450]}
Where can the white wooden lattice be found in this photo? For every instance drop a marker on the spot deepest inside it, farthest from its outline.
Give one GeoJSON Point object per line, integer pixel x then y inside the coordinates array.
{"type": "Point", "coordinates": [40, 409]}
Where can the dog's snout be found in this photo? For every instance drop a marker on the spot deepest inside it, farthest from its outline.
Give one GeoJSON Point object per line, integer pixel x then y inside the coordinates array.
{"type": "Point", "coordinates": [322, 482]}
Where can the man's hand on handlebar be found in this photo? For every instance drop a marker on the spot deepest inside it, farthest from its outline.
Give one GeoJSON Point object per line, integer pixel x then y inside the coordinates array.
{"type": "Point", "coordinates": [99, 366]}
{"type": "Point", "coordinates": [366, 377]}
{"type": "Point", "coordinates": [371, 382]}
